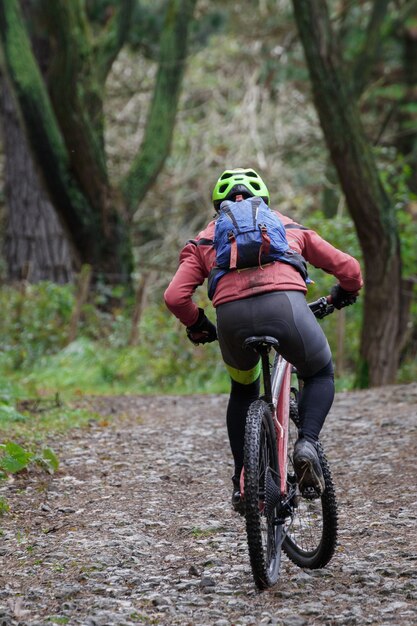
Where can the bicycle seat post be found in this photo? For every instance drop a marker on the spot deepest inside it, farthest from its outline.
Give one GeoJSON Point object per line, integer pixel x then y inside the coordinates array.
{"type": "Point", "coordinates": [266, 374]}
{"type": "Point", "coordinates": [262, 345]}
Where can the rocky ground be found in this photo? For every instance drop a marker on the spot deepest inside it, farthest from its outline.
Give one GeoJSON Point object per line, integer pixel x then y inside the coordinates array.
{"type": "Point", "coordinates": [136, 527]}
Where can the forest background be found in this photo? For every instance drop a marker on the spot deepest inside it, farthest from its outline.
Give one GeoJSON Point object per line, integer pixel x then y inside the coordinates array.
{"type": "Point", "coordinates": [118, 117]}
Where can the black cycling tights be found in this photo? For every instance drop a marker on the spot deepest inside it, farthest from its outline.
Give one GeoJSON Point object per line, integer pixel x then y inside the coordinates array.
{"type": "Point", "coordinates": [314, 404]}
{"type": "Point", "coordinates": [241, 396]}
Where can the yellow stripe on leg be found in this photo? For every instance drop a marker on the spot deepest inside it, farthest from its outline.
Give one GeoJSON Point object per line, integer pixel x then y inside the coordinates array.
{"type": "Point", "coordinates": [244, 377]}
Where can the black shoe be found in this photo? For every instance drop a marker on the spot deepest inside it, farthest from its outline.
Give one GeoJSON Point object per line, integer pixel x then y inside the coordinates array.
{"type": "Point", "coordinates": [308, 469]}
{"type": "Point", "coordinates": [238, 503]}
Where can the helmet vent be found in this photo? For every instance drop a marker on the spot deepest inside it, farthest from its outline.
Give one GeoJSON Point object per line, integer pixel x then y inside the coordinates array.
{"type": "Point", "coordinates": [225, 176]}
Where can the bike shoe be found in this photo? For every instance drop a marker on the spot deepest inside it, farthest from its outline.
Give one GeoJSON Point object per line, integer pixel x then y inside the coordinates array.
{"type": "Point", "coordinates": [238, 503]}
{"type": "Point", "coordinates": [308, 469]}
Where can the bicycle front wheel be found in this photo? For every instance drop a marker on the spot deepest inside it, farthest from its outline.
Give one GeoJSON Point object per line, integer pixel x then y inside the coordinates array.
{"type": "Point", "coordinates": [262, 496]}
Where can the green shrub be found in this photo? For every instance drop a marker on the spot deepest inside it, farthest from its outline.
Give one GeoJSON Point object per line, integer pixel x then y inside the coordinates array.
{"type": "Point", "coordinates": [34, 322]}
{"type": "Point", "coordinates": [36, 360]}
{"type": "Point", "coordinates": [14, 459]}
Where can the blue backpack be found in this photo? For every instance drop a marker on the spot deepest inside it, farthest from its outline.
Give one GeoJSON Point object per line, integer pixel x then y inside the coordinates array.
{"type": "Point", "coordinates": [249, 234]}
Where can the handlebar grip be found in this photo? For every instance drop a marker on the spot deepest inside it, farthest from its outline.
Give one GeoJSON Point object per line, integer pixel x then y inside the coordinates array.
{"type": "Point", "coordinates": [321, 307]}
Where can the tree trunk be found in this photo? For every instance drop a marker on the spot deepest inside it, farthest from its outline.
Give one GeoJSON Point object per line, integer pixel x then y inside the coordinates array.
{"type": "Point", "coordinates": [98, 233]}
{"type": "Point", "coordinates": [36, 247]}
{"type": "Point", "coordinates": [369, 206]}
{"type": "Point", "coordinates": [407, 142]}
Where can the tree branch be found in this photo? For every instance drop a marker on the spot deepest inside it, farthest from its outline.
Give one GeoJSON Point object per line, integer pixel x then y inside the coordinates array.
{"type": "Point", "coordinates": [108, 45]}
{"type": "Point", "coordinates": [365, 59]}
{"type": "Point", "coordinates": [161, 116]}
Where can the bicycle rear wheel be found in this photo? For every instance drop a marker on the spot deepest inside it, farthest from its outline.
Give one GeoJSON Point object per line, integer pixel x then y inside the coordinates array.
{"type": "Point", "coordinates": [262, 497]}
{"type": "Point", "coordinates": [311, 530]}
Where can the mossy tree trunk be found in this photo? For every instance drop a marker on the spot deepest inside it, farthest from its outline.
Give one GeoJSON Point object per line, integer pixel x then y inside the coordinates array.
{"type": "Point", "coordinates": [371, 209]}
{"type": "Point", "coordinates": [35, 245]}
{"type": "Point", "coordinates": [63, 119]}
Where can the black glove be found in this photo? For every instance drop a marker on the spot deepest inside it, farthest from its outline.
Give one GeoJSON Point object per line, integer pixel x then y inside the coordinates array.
{"type": "Point", "coordinates": [340, 297]}
{"type": "Point", "coordinates": [203, 331]}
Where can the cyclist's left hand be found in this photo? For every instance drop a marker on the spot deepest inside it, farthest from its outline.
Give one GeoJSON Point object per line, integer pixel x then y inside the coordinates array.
{"type": "Point", "coordinates": [203, 331]}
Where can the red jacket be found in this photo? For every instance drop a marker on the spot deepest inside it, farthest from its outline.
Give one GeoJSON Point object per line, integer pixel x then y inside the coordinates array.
{"type": "Point", "coordinates": [198, 257]}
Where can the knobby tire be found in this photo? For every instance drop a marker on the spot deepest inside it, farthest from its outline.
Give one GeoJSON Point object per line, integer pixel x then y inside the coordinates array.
{"type": "Point", "coordinates": [264, 535]}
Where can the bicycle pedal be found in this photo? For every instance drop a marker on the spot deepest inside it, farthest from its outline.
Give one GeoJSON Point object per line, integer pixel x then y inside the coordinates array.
{"type": "Point", "coordinates": [310, 493]}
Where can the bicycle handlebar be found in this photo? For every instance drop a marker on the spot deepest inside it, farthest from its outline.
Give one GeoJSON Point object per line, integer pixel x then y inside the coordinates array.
{"type": "Point", "coordinates": [321, 307]}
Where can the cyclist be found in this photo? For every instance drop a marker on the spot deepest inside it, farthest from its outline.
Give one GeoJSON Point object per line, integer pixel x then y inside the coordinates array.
{"type": "Point", "coordinates": [268, 300]}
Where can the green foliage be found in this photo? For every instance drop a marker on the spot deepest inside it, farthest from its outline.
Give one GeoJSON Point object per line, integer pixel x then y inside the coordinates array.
{"type": "Point", "coordinates": [4, 507]}
{"type": "Point", "coordinates": [339, 231]}
{"type": "Point", "coordinates": [146, 26]}
{"type": "Point", "coordinates": [48, 460]}
{"type": "Point", "coordinates": [163, 362]}
{"type": "Point", "coordinates": [8, 412]}
{"type": "Point", "coordinates": [34, 320]}
{"type": "Point", "coordinates": [342, 328]}
{"type": "Point", "coordinates": [14, 458]}
{"type": "Point", "coordinates": [37, 362]}
{"type": "Point", "coordinates": [395, 174]}
{"type": "Point", "coordinates": [42, 376]}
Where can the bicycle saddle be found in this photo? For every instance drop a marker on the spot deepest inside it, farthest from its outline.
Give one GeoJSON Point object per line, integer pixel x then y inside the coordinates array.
{"type": "Point", "coordinates": [262, 341]}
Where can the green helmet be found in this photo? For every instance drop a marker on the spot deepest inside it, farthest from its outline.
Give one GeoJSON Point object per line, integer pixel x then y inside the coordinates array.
{"type": "Point", "coordinates": [239, 181]}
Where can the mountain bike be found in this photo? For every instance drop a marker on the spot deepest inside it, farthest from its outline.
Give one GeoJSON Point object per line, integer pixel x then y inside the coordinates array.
{"type": "Point", "coordinates": [278, 517]}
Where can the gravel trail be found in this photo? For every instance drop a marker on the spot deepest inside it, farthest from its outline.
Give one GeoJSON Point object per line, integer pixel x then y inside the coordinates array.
{"type": "Point", "coordinates": [136, 527]}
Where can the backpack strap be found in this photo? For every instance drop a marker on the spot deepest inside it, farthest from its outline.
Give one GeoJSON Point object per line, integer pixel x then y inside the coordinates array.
{"type": "Point", "coordinates": [213, 278]}
{"type": "Point", "coordinates": [227, 211]}
{"type": "Point", "coordinates": [201, 242]}
{"type": "Point", "coordinates": [233, 251]}
{"type": "Point", "coordinates": [266, 242]}
{"type": "Point", "coordinates": [255, 202]}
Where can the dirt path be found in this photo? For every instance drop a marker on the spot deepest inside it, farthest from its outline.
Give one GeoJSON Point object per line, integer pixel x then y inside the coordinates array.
{"type": "Point", "coordinates": [136, 527]}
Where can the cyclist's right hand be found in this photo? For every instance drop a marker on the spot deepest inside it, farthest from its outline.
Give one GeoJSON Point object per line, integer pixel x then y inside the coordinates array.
{"type": "Point", "coordinates": [340, 298]}
{"type": "Point", "coordinates": [203, 331]}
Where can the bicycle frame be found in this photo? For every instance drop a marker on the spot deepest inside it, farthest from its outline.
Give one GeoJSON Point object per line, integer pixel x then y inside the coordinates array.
{"type": "Point", "coordinates": [280, 398]}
